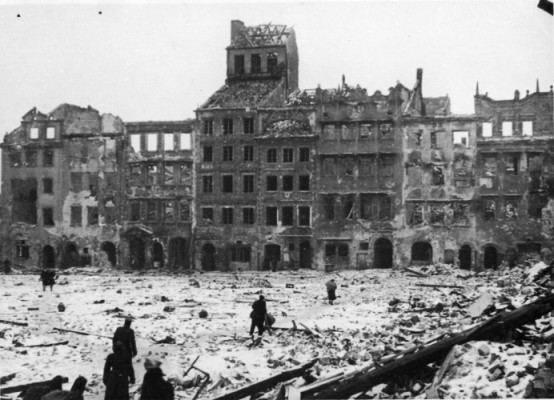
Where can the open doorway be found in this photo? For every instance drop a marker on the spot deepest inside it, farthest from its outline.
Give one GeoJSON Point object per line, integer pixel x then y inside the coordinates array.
{"type": "Point", "coordinates": [382, 253]}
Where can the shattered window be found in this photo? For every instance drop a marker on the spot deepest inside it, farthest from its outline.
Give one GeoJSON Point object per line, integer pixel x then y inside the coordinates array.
{"type": "Point", "coordinates": [208, 214]}
{"type": "Point", "coordinates": [227, 216]}
{"type": "Point", "coordinates": [288, 155]}
{"type": "Point", "coordinates": [31, 158]}
{"type": "Point", "coordinates": [92, 216]}
{"type": "Point", "coordinates": [490, 210]}
{"type": "Point", "coordinates": [511, 163]}
{"type": "Point", "coordinates": [272, 63]}
{"type": "Point", "coordinates": [248, 153]}
{"type": "Point", "coordinates": [151, 211]}
{"type": "Point", "coordinates": [152, 177]}
{"type": "Point", "coordinates": [438, 175]}
{"type": "Point", "coordinates": [185, 211]}
{"type": "Point", "coordinates": [437, 214]}
{"type": "Point", "coordinates": [248, 126]}
{"type": "Point", "coordinates": [536, 203]}
{"type": "Point", "coordinates": [487, 129]}
{"type": "Point", "coordinates": [48, 216]}
{"type": "Point", "coordinates": [329, 168]}
{"type": "Point", "coordinates": [489, 169]}
{"type": "Point", "coordinates": [168, 174]}
{"type": "Point", "coordinates": [287, 216]}
{"type": "Point", "coordinates": [416, 137]}
{"type": "Point", "coordinates": [51, 133]}
{"type": "Point", "coordinates": [255, 63]}
{"type": "Point", "coordinates": [437, 139]}
{"type": "Point", "coordinates": [135, 143]}
{"type": "Point", "coordinates": [365, 131]}
{"type": "Point", "coordinates": [48, 185]}
{"type": "Point", "coordinates": [135, 211]}
{"type": "Point", "coordinates": [136, 174]}
{"type": "Point", "coordinates": [152, 142]}
{"type": "Point", "coordinates": [33, 133]}
{"type": "Point", "coordinates": [304, 183]}
{"type": "Point", "coordinates": [76, 215]}
{"type": "Point", "coordinates": [460, 138]}
{"type": "Point", "coordinates": [386, 131]}
{"type": "Point", "coordinates": [271, 216]}
{"type": "Point", "coordinates": [347, 133]}
{"type": "Point", "coordinates": [303, 216]}
{"type": "Point", "coordinates": [385, 208]}
{"type": "Point", "coordinates": [228, 126]}
{"type": "Point", "coordinates": [168, 210]}
{"type": "Point", "coordinates": [347, 202]}
{"type": "Point", "coordinates": [460, 214]}
{"type": "Point", "coordinates": [271, 183]}
{"type": "Point", "coordinates": [15, 159]}
{"type": "Point", "coordinates": [511, 209]}
{"type": "Point", "coordinates": [208, 127]}
{"type": "Point", "coordinates": [207, 152]}
{"type": "Point", "coordinates": [248, 183]}
{"type": "Point", "coordinates": [367, 166]}
{"type": "Point", "coordinates": [93, 184]}
{"type": "Point", "coordinates": [416, 216]}
{"type": "Point", "coordinates": [328, 207]}
{"type": "Point", "coordinates": [304, 154]}
{"type": "Point", "coordinates": [271, 155]}
{"type": "Point", "coordinates": [347, 166]}
{"type": "Point", "coordinates": [527, 128]}
{"type": "Point", "coordinates": [185, 141]}
{"type": "Point", "coordinates": [169, 142]}
{"type": "Point", "coordinates": [507, 127]}
{"type": "Point", "coordinates": [186, 174]}
{"type": "Point", "coordinates": [109, 209]}
{"type": "Point", "coordinates": [366, 211]}
{"type": "Point", "coordinates": [227, 153]}
{"type": "Point", "coordinates": [248, 216]}
{"type": "Point", "coordinates": [288, 183]}
{"type": "Point", "coordinates": [22, 249]}
{"type": "Point", "coordinates": [227, 183]}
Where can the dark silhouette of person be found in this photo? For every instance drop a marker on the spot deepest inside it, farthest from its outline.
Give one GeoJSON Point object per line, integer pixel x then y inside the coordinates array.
{"type": "Point", "coordinates": [154, 386]}
{"type": "Point", "coordinates": [126, 335]}
{"type": "Point", "coordinates": [76, 392]}
{"type": "Point", "coordinates": [48, 278]}
{"type": "Point", "coordinates": [258, 313]}
{"type": "Point", "coordinates": [36, 391]}
{"type": "Point", "coordinates": [118, 373]}
{"type": "Point", "coordinates": [331, 288]}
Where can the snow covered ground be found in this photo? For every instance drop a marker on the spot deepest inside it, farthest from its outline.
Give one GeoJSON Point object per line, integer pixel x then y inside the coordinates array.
{"type": "Point", "coordinates": [370, 318]}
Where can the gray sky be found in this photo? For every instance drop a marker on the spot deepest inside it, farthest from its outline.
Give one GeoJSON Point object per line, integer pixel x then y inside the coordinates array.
{"type": "Point", "coordinates": [160, 61]}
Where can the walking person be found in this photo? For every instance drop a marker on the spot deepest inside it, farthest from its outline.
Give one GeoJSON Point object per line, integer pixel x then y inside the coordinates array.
{"type": "Point", "coordinates": [258, 313]}
{"type": "Point", "coordinates": [118, 373]}
{"type": "Point", "coordinates": [331, 288]}
{"type": "Point", "coordinates": [126, 335]}
{"type": "Point", "coordinates": [154, 386]}
{"type": "Point", "coordinates": [48, 278]}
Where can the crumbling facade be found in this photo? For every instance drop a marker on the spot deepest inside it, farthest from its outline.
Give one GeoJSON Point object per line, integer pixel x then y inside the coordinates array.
{"type": "Point", "coordinates": [60, 188]}
{"type": "Point", "coordinates": [157, 230]}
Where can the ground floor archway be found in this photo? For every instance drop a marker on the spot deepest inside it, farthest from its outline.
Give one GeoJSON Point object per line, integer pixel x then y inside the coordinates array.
{"type": "Point", "coordinates": [136, 253]}
{"type": "Point", "coordinates": [272, 256]}
{"type": "Point", "coordinates": [208, 257]}
{"type": "Point", "coordinates": [491, 257]}
{"type": "Point", "coordinates": [48, 257]}
{"type": "Point", "coordinates": [464, 256]}
{"type": "Point", "coordinates": [305, 256]}
{"type": "Point", "coordinates": [422, 253]}
{"type": "Point", "coordinates": [111, 252]}
{"type": "Point", "coordinates": [382, 253]}
{"type": "Point", "coordinates": [70, 257]}
{"type": "Point", "coordinates": [157, 255]}
{"type": "Point", "coordinates": [178, 254]}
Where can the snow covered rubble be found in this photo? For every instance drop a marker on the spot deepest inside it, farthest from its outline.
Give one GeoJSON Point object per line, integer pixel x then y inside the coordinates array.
{"type": "Point", "coordinates": [378, 313]}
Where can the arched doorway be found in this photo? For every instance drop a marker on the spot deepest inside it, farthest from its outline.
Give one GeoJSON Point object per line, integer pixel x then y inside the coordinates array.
{"type": "Point", "coordinates": [305, 260]}
{"type": "Point", "coordinates": [136, 252]}
{"type": "Point", "coordinates": [111, 253]}
{"type": "Point", "coordinates": [464, 255]}
{"type": "Point", "coordinates": [422, 253]}
{"type": "Point", "coordinates": [491, 257]}
{"type": "Point", "coordinates": [178, 253]}
{"type": "Point", "coordinates": [511, 257]}
{"type": "Point", "coordinates": [382, 253]}
{"type": "Point", "coordinates": [48, 257]}
{"type": "Point", "coordinates": [70, 256]}
{"type": "Point", "coordinates": [157, 255]}
{"type": "Point", "coordinates": [272, 256]}
{"type": "Point", "coordinates": [208, 257]}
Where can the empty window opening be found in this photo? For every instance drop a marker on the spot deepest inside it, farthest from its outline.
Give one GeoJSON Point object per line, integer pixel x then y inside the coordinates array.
{"type": "Point", "coordinates": [93, 184]}
{"type": "Point", "coordinates": [21, 249]}
{"type": "Point", "coordinates": [272, 63]}
{"type": "Point", "coordinates": [208, 127]}
{"type": "Point", "coordinates": [422, 253]}
{"type": "Point", "coordinates": [168, 211]}
{"type": "Point", "coordinates": [387, 165]}
{"type": "Point", "coordinates": [460, 138]}
{"type": "Point", "coordinates": [347, 202]}
{"type": "Point", "coordinates": [288, 155]}
{"type": "Point", "coordinates": [487, 129]}
{"type": "Point", "coordinates": [490, 210]}
{"type": "Point", "coordinates": [50, 133]}
{"type": "Point", "coordinates": [347, 166]}
{"type": "Point", "coordinates": [152, 211]}
{"type": "Point", "coordinates": [92, 216]}
{"type": "Point", "coordinates": [248, 153]}
{"type": "Point", "coordinates": [460, 214]}
{"type": "Point", "coordinates": [511, 209]}
{"type": "Point", "coordinates": [437, 214]}
{"type": "Point", "coordinates": [135, 142]}
{"type": "Point", "coordinates": [184, 208]}
{"type": "Point", "coordinates": [536, 203]}
{"type": "Point", "coordinates": [48, 216]}
{"type": "Point", "coordinates": [271, 216]}
{"type": "Point", "coordinates": [207, 154]}
{"type": "Point", "coordinates": [227, 126]}
{"type": "Point", "coordinates": [288, 183]}
{"type": "Point", "coordinates": [152, 176]}
{"type": "Point", "coordinates": [386, 130]}
{"type": "Point", "coordinates": [366, 211]}
{"type": "Point", "coordinates": [208, 214]}
{"type": "Point", "coordinates": [48, 185]}
{"type": "Point", "coordinates": [512, 164]}
{"type": "Point", "coordinates": [76, 215]}
{"type": "Point", "coordinates": [136, 174]}
{"type": "Point", "coordinates": [329, 167]}
{"type": "Point", "coordinates": [304, 154]}
{"type": "Point", "coordinates": [31, 158]}
{"type": "Point", "coordinates": [135, 211]}
{"type": "Point", "coordinates": [507, 127]}
{"type": "Point", "coordinates": [152, 142]}
{"type": "Point", "coordinates": [271, 183]}
{"type": "Point", "coordinates": [328, 207]}
{"type": "Point", "coordinates": [385, 207]}
{"type": "Point", "coordinates": [185, 141]}
{"type": "Point", "coordinates": [367, 166]}
{"type": "Point", "coordinates": [227, 153]}
{"type": "Point", "coordinates": [287, 216]}
{"type": "Point", "coordinates": [227, 183]}
{"type": "Point", "coordinates": [304, 183]}
{"type": "Point", "coordinates": [33, 133]}
{"type": "Point", "coordinates": [438, 175]}
{"type": "Point", "coordinates": [271, 155]}
{"type": "Point", "coordinates": [239, 64]}
{"type": "Point", "coordinates": [490, 167]}
{"type": "Point", "coordinates": [255, 63]}
{"type": "Point", "coordinates": [169, 142]}
{"type": "Point", "coordinates": [24, 197]}
{"type": "Point", "coordinates": [416, 216]}
{"type": "Point", "coordinates": [304, 216]}
{"type": "Point", "coordinates": [248, 183]}
{"type": "Point", "coordinates": [15, 159]}
{"type": "Point", "coordinates": [527, 128]}
{"type": "Point", "coordinates": [248, 216]}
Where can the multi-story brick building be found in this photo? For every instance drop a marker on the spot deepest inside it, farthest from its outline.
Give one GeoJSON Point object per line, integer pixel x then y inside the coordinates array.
{"type": "Point", "coordinates": [61, 174]}
{"type": "Point", "coordinates": [159, 195]}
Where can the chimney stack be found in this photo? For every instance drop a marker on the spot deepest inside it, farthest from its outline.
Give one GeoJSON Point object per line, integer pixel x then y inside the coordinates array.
{"type": "Point", "coordinates": [236, 27]}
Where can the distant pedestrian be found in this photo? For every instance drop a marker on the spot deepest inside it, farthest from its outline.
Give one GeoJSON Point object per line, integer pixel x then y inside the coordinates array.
{"type": "Point", "coordinates": [126, 335]}
{"type": "Point", "coordinates": [154, 386]}
{"type": "Point", "coordinates": [118, 373]}
{"type": "Point", "coordinates": [36, 391]}
{"type": "Point", "coordinates": [76, 392]}
{"type": "Point", "coordinates": [331, 288]}
{"type": "Point", "coordinates": [7, 266]}
{"type": "Point", "coordinates": [48, 278]}
{"type": "Point", "coordinates": [258, 313]}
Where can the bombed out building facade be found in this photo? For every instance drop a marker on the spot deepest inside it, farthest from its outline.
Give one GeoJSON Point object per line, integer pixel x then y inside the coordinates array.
{"type": "Point", "coordinates": [269, 176]}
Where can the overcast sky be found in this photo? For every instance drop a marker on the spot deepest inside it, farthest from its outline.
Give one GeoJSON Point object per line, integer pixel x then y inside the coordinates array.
{"type": "Point", "coordinates": [159, 62]}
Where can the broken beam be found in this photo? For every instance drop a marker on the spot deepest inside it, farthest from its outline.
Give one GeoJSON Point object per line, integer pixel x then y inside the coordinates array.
{"type": "Point", "coordinates": [440, 286]}
{"type": "Point", "coordinates": [413, 271]}
{"type": "Point", "coordinates": [268, 383]}
{"type": "Point", "coordinates": [80, 332]}
{"type": "Point", "coordinates": [48, 344]}
{"type": "Point", "coordinates": [3, 321]}
{"type": "Point", "coordinates": [20, 388]}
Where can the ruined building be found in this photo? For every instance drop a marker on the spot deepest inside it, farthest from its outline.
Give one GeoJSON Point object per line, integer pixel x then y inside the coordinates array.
{"type": "Point", "coordinates": [157, 231]}
{"type": "Point", "coordinates": [61, 174]}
